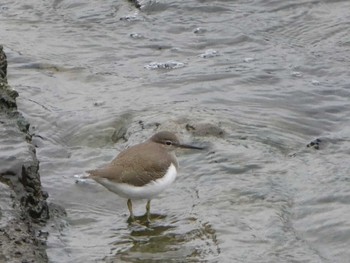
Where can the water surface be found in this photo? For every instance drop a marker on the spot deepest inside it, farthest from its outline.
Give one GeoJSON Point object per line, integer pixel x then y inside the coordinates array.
{"type": "Point", "coordinates": [272, 74]}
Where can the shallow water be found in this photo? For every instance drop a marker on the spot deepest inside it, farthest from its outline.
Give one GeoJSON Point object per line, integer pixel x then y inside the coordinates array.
{"type": "Point", "coordinates": [95, 78]}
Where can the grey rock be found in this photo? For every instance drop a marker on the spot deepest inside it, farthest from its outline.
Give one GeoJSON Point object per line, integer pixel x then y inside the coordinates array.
{"type": "Point", "coordinates": [23, 207]}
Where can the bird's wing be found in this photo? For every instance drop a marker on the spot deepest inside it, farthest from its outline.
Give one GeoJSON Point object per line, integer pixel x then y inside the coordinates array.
{"type": "Point", "coordinates": [135, 167]}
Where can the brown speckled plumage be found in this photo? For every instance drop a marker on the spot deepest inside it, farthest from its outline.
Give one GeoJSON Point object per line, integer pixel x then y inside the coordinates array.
{"type": "Point", "coordinates": [142, 171]}
{"type": "Point", "coordinates": [134, 167]}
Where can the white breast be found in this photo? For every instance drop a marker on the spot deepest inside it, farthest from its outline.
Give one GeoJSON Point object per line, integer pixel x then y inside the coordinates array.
{"type": "Point", "coordinates": [147, 191]}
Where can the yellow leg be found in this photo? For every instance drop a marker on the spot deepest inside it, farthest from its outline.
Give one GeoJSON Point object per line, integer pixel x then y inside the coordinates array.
{"type": "Point", "coordinates": [130, 210]}
{"type": "Point", "coordinates": [148, 211]}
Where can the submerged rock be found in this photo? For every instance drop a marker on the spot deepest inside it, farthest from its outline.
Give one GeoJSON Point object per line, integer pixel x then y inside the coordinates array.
{"type": "Point", "coordinates": [136, 3]}
{"type": "Point", "coordinates": [3, 63]}
{"type": "Point", "coordinates": [314, 144]}
{"type": "Point", "coordinates": [205, 129]}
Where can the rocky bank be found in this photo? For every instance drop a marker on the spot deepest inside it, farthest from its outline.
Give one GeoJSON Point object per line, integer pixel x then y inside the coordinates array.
{"type": "Point", "coordinates": [23, 207]}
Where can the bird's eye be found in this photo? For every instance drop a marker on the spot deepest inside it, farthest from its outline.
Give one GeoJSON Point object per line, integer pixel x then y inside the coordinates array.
{"type": "Point", "coordinates": [168, 143]}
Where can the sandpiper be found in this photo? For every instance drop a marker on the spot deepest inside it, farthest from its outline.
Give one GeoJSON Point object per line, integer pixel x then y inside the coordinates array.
{"type": "Point", "coordinates": [143, 170]}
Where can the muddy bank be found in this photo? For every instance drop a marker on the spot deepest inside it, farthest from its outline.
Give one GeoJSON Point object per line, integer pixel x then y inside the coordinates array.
{"type": "Point", "coordinates": [23, 206]}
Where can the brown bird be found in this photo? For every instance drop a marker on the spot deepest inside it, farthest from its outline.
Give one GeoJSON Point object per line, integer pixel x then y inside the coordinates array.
{"type": "Point", "coordinates": [142, 171]}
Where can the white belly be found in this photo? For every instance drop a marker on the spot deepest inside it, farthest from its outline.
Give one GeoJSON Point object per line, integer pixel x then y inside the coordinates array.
{"type": "Point", "coordinates": [147, 191]}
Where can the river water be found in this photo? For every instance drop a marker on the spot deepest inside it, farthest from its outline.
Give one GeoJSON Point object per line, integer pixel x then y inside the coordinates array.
{"type": "Point", "coordinates": [257, 80]}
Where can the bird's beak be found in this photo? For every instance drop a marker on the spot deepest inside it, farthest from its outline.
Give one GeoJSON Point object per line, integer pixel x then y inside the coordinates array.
{"type": "Point", "coordinates": [187, 146]}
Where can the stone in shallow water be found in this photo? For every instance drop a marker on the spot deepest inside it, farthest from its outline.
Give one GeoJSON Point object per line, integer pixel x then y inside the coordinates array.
{"type": "Point", "coordinates": [3, 63]}
{"type": "Point", "coordinates": [99, 103]}
{"type": "Point", "coordinates": [314, 144]}
{"type": "Point", "coordinates": [205, 129]}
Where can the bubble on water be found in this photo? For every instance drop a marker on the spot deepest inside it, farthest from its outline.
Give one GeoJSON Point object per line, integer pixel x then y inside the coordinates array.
{"type": "Point", "coordinates": [165, 65]}
{"type": "Point", "coordinates": [199, 30]}
{"type": "Point", "coordinates": [136, 36]}
{"type": "Point", "coordinates": [209, 53]}
{"type": "Point", "coordinates": [81, 181]}
{"type": "Point", "coordinates": [81, 176]}
{"type": "Point", "coordinates": [297, 74]}
{"type": "Point", "coordinates": [247, 60]}
{"type": "Point", "coordinates": [131, 18]}
{"type": "Point", "coordinates": [315, 82]}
